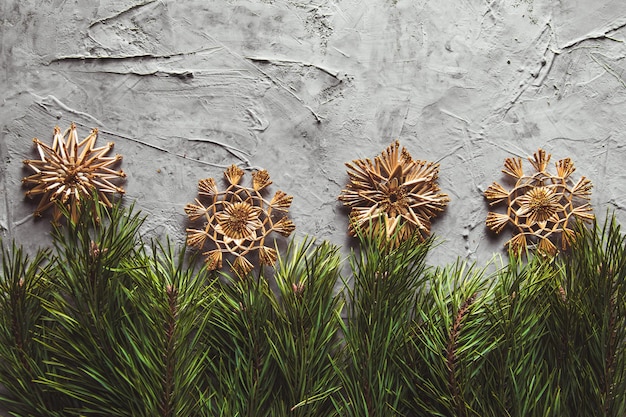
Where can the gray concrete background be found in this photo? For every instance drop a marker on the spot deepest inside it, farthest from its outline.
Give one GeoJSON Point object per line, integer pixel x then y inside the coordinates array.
{"type": "Point", "coordinates": [187, 87]}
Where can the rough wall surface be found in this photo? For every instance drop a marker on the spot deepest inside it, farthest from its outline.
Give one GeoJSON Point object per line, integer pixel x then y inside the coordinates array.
{"type": "Point", "coordinates": [186, 88]}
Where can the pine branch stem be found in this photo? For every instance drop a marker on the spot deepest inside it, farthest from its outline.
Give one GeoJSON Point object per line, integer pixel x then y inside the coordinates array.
{"type": "Point", "coordinates": [169, 359]}
{"type": "Point", "coordinates": [451, 357]}
{"type": "Point", "coordinates": [19, 342]}
{"type": "Point", "coordinates": [610, 358]}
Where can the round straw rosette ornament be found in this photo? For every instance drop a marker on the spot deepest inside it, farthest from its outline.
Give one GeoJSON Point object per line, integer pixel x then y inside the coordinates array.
{"type": "Point", "coordinates": [542, 207]}
{"type": "Point", "coordinates": [238, 221]}
{"type": "Point", "coordinates": [71, 171]}
{"type": "Point", "coordinates": [393, 194]}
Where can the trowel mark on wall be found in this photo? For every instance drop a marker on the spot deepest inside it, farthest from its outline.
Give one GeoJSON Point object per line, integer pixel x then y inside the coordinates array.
{"type": "Point", "coordinates": [115, 63]}
{"type": "Point", "coordinates": [54, 107]}
{"type": "Point", "coordinates": [288, 90]}
{"type": "Point", "coordinates": [50, 101]}
{"type": "Point", "coordinates": [277, 61]}
{"type": "Point", "coordinates": [135, 30]}
{"type": "Point", "coordinates": [534, 66]}
{"type": "Point", "coordinates": [238, 153]}
{"type": "Point", "coordinates": [258, 123]}
{"type": "Point", "coordinates": [121, 13]}
{"type": "Point", "coordinates": [317, 21]}
{"type": "Point", "coordinates": [310, 83]}
{"type": "Point", "coordinates": [601, 61]}
{"type": "Point", "coordinates": [154, 22]}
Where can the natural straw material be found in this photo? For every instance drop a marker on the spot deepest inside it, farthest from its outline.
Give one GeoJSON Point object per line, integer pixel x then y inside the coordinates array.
{"type": "Point", "coordinates": [541, 207]}
{"type": "Point", "coordinates": [238, 220]}
{"type": "Point", "coordinates": [394, 193]}
{"type": "Point", "coordinates": [70, 171]}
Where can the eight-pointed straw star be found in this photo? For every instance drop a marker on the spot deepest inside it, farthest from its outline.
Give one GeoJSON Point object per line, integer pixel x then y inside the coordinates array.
{"type": "Point", "coordinates": [541, 207]}
{"type": "Point", "coordinates": [395, 194]}
{"type": "Point", "coordinates": [70, 171]}
{"type": "Point", "coordinates": [237, 221]}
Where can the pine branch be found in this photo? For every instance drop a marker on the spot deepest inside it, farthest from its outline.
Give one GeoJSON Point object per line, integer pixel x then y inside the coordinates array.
{"type": "Point", "coordinates": [168, 356]}
{"type": "Point", "coordinates": [304, 335]}
{"type": "Point", "coordinates": [451, 354]}
{"type": "Point", "coordinates": [16, 303]}
{"type": "Point", "coordinates": [22, 321]}
{"type": "Point", "coordinates": [381, 303]}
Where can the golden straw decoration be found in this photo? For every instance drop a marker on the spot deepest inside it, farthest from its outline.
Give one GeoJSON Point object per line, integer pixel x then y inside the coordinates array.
{"type": "Point", "coordinates": [394, 194]}
{"type": "Point", "coordinates": [541, 207]}
{"type": "Point", "coordinates": [70, 171]}
{"type": "Point", "coordinates": [237, 221]}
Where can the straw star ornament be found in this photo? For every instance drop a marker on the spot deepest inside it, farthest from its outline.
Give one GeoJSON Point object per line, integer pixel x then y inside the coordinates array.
{"type": "Point", "coordinates": [541, 207]}
{"type": "Point", "coordinates": [70, 171]}
{"type": "Point", "coordinates": [394, 193]}
{"type": "Point", "coordinates": [238, 220]}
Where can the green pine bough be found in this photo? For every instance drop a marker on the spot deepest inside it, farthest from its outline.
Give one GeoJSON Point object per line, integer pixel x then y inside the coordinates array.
{"type": "Point", "coordinates": [107, 324]}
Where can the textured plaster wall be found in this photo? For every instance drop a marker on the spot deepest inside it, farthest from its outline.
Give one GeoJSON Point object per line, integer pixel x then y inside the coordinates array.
{"type": "Point", "coordinates": [187, 87]}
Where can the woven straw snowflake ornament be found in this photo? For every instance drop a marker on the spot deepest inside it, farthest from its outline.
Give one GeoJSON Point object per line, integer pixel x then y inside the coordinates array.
{"type": "Point", "coordinates": [394, 194]}
{"type": "Point", "coordinates": [71, 171]}
{"type": "Point", "coordinates": [237, 221]}
{"type": "Point", "coordinates": [542, 207]}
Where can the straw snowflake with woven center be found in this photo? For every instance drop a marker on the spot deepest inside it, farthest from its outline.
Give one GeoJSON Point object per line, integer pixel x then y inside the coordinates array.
{"type": "Point", "coordinates": [70, 171]}
{"type": "Point", "coordinates": [541, 208]}
{"type": "Point", "coordinates": [394, 194]}
{"type": "Point", "coordinates": [237, 221]}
